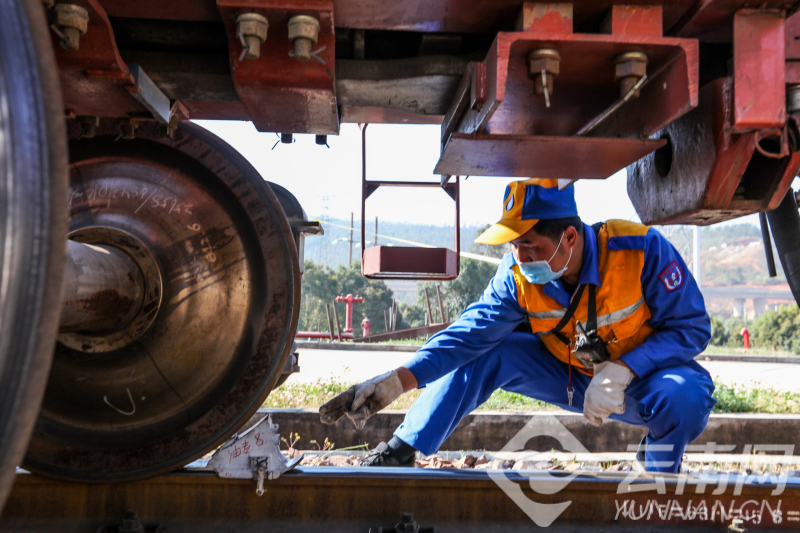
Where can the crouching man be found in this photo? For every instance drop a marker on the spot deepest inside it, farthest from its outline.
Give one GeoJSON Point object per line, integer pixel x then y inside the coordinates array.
{"type": "Point", "coordinates": [604, 320]}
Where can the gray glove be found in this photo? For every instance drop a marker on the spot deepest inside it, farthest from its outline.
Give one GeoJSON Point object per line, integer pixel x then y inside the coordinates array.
{"type": "Point", "coordinates": [606, 392]}
{"type": "Point", "coordinates": [361, 401]}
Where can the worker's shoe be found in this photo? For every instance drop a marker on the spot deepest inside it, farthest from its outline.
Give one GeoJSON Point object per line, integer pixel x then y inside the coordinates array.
{"type": "Point", "coordinates": [385, 455]}
{"type": "Point", "coordinates": [639, 462]}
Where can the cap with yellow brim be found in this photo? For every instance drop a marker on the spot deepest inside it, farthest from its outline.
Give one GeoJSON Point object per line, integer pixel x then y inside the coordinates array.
{"type": "Point", "coordinates": [527, 202]}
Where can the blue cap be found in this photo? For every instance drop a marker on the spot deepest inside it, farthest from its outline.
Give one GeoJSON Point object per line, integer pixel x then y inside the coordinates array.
{"type": "Point", "coordinates": [527, 202]}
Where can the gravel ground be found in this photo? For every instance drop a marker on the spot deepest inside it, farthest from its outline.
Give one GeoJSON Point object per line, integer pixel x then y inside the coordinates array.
{"type": "Point", "coordinates": [718, 464]}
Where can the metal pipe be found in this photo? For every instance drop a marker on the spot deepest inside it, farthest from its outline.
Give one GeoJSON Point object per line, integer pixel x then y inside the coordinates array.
{"type": "Point", "coordinates": [103, 289]}
{"type": "Point", "coordinates": [785, 225]}
{"type": "Point", "coordinates": [696, 256]}
{"type": "Point", "coordinates": [762, 218]}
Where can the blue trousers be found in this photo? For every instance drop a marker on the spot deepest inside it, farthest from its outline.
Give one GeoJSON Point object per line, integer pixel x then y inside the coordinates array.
{"type": "Point", "coordinates": [673, 403]}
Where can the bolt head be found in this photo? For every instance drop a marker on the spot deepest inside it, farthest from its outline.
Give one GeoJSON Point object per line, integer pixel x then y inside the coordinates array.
{"type": "Point", "coordinates": [304, 27]}
{"type": "Point", "coordinates": [546, 64]}
{"type": "Point", "coordinates": [252, 25]}
{"type": "Point", "coordinates": [543, 59]}
{"type": "Point", "coordinates": [630, 64]}
{"type": "Point", "coordinates": [630, 68]}
{"type": "Point", "coordinates": [71, 16]}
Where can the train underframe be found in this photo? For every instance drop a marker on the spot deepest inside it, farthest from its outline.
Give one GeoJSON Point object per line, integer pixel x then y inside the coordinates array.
{"type": "Point", "coordinates": [131, 370]}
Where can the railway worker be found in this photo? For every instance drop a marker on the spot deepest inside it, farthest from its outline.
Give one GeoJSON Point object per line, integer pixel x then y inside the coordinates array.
{"type": "Point", "coordinates": [613, 317]}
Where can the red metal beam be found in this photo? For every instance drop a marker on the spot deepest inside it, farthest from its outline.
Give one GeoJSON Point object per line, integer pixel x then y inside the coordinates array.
{"type": "Point", "coordinates": [281, 93]}
{"type": "Point", "coordinates": [545, 157]}
{"type": "Point", "coordinates": [791, 33]}
{"type": "Point", "coordinates": [759, 69]}
{"type": "Point", "coordinates": [645, 21]}
{"type": "Point", "coordinates": [410, 333]}
{"type": "Point", "coordinates": [93, 78]}
{"type": "Point", "coordinates": [504, 104]}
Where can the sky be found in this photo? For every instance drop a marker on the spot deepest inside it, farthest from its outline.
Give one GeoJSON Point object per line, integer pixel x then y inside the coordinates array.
{"type": "Point", "coordinates": [327, 181]}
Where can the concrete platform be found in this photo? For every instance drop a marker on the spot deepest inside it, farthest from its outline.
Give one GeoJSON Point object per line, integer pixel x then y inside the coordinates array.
{"type": "Point", "coordinates": [492, 430]}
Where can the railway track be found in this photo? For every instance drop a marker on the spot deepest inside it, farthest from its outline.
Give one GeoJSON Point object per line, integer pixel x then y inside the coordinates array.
{"type": "Point", "coordinates": [364, 499]}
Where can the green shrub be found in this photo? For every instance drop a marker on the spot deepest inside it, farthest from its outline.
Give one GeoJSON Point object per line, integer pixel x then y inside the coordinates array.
{"type": "Point", "coordinates": [778, 330]}
{"type": "Point", "coordinates": [719, 335]}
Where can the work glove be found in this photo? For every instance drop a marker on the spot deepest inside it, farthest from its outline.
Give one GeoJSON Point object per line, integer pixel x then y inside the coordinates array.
{"type": "Point", "coordinates": [606, 392]}
{"type": "Point", "coordinates": [361, 401]}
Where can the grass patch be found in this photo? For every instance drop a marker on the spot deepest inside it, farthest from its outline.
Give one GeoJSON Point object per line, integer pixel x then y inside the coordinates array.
{"type": "Point", "coordinates": [727, 350]}
{"type": "Point", "coordinates": [730, 399]}
{"type": "Point", "coordinates": [312, 395]}
{"type": "Point", "coordinates": [418, 341]}
{"type": "Point", "coordinates": [755, 400]}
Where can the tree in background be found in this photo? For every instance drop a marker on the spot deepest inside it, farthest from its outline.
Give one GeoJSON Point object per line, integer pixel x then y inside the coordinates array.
{"type": "Point", "coordinates": [719, 334]}
{"type": "Point", "coordinates": [771, 331]}
{"type": "Point", "coordinates": [778, 331]}
{"type": "Point", "coordinates": [463, 291]}
{"type": "Point", "coordinates": [321, 285]}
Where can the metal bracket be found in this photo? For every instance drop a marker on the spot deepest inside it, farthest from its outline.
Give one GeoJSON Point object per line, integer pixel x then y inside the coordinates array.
{"type": "Point", "coordinates": [148, 94]}
{"type": "Point", "coordinates": [381, 262]}
{"type": "Point", "coordinates": [255, 454]}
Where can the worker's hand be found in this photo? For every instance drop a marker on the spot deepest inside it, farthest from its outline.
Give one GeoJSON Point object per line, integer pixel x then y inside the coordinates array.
{"type": "Point", "coordinates": [361, 401]}
{"type": "Point", "coordinates": [606, 392]}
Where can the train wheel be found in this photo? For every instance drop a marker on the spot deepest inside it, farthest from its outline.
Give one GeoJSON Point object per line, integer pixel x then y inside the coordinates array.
{"type": "Point", "coordinates": [180, 306]}
{"type": "Point", "coordinates": [33, 178]}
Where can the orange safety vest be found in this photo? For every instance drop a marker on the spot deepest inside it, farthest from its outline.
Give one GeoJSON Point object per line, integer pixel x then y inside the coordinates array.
{"type": "Point", "coordinates": [622, 314]}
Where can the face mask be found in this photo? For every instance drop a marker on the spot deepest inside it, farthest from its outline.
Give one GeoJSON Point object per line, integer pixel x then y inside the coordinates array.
{"type": "Point", "coordinates": [539, 272]}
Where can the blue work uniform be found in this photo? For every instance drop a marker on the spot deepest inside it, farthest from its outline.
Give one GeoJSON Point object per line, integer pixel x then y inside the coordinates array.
{"type": "Point", "coordinates": [480, 352]}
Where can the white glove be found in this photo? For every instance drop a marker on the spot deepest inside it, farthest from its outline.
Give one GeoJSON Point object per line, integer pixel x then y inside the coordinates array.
{"type": "Point", "coordinates": [361, 401]}
{"type": "Point", "coordinates": [606, 392]}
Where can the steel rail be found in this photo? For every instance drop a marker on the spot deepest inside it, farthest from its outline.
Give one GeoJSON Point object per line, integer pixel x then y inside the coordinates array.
{"type": "Point", "coordinates": [362, 499]}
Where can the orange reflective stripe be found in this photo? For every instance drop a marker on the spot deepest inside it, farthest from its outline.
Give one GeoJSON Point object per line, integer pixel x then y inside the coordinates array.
{"type": "Point", "coordinates": [623, 314]}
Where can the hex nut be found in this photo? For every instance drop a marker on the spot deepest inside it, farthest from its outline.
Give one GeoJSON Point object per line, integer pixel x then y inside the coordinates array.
{"type": "Point", "coordinates": [71, 21]}
{"type": "Point", "coordinates": [624, 69]}
{"type": "Point", "coordinates": [629, 68]}
{"type": "Point", "coordinates": [251, 29]}
{"type": "Point", "coordinates": [547, 60]}
{"type": "Point", "coordinates": [304, 33]}
{"type": "Point", "coordinates": [127, 128]}
{"type": "Point", "coordinates": [87, 124]}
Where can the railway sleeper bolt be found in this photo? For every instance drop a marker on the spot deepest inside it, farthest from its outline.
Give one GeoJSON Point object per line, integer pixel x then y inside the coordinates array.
{"type": "Point", "coordinates": [88, 125]}
{"type": "Point", "coordinates": [260, 466]}
{"type": "Point", "coordinates": [303, 33]}
{"type": "Point", "coordinates": [543, 67]}
{"type": "Point", "coordinates": [69, 23]}
{"type": "Point", "coordinates": [737, 526]}
{"type": "Point", "coordinates": [629, 68]}
{"type": "Point", "coordinates": [131, 523]}
{"type": "Point", "coordinates": [407, 524]}
{"type": "Point", "coordinates": [251, 30]}
{"type": "Point", "coordinates": [127, 128]}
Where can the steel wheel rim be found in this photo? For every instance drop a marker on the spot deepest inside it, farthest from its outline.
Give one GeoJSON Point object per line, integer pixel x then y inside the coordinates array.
{"type": "Point", "coordinates": [123, 454]}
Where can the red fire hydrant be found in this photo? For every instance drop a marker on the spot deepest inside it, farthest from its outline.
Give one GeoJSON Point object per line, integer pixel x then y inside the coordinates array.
{"type": "Point", "coordinates": [746, 334]}
{"type": "Point", "coordinates": [349, 300]}
{"type": "Point", "coordinates": [365, 324]}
